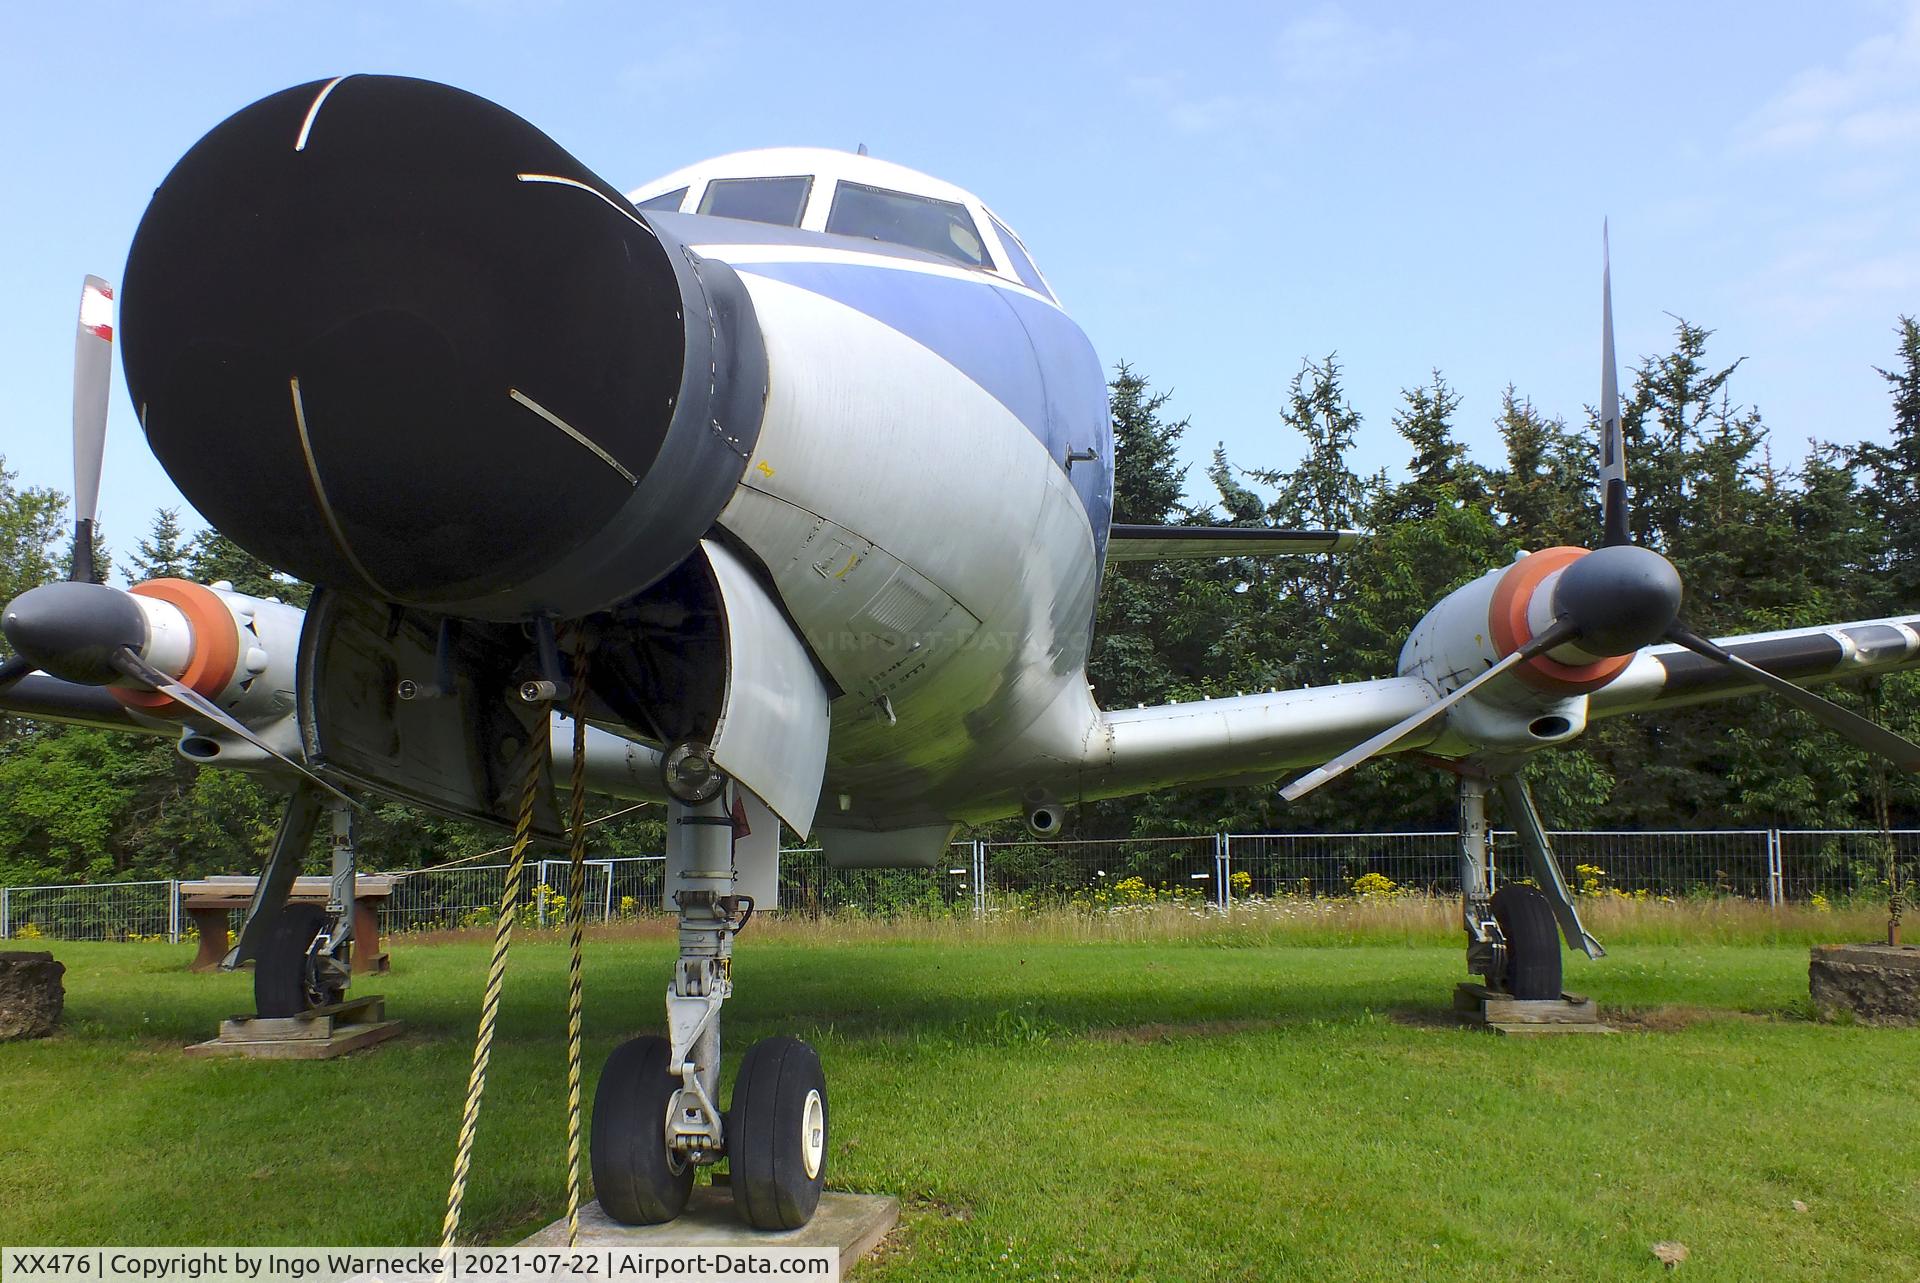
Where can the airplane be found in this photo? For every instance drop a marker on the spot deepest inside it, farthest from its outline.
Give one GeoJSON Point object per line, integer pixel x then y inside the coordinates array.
{"type": "Point", "coordinates": [783, 483]}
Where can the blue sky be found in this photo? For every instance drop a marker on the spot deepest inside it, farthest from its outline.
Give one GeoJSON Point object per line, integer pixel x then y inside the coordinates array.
{"type": "Point", "coordinates": [1215, 191]}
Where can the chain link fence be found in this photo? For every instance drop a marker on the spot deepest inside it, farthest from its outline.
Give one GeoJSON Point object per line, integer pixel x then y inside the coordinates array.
{"type": "Point", "coordinates": [1775, 866]}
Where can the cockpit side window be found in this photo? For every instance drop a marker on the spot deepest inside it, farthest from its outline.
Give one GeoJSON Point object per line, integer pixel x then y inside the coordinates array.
{"type": "Point", "coordinates": [900, 218]}
{"type": "Point", "coordinates": [779, 201]}
{"type": "Point", "coordinates": [665, 200]}
{"type": "Point", "coordinates": [1022, 265]}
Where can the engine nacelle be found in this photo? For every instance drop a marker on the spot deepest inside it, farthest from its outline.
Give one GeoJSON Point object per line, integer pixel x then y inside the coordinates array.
{"type": "Point", "coordinates": [1481, 623]}
{"type": "Point", "coordinates": [238, 650]}
{"type": "Point", "coordinates": [391, 338]}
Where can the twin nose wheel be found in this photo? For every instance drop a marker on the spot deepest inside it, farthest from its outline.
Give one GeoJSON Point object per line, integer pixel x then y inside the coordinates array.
{"type": "Point", "coordinates": [775, 1133]}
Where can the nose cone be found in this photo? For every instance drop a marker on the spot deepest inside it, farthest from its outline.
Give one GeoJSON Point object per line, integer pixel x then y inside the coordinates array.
{"type": "Point", "coordinates": [391, 338]}
{"type": "Point", "coordinates": [1621, 598]}
{"type": "Point", "coordinates": [73, 629]}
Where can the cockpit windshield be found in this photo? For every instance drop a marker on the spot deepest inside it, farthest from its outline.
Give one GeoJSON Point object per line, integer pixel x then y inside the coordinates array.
{"type": "Point", "coordinates": [900, 218]}
{"type": "Point", "coordinates": [780, 201]}
{"type": "Point", "coordinates": [1022, 265]}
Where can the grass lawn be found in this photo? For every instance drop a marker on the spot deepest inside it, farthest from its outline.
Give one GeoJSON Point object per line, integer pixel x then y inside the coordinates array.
{"type": "Point", "coordinates": [1266, 1101]}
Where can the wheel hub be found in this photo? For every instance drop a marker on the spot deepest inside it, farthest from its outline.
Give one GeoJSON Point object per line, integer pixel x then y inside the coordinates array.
{"type": "Point", "coordinates": [813, 1134]}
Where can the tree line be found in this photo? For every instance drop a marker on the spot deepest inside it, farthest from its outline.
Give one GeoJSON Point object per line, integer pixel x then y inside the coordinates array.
{"type": "Point", "coordinates": [1760, 546]}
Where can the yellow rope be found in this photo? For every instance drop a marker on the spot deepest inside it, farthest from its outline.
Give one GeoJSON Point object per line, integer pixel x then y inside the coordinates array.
{"type": "Point", "coordinates": [576, 920]}
{"type": "Point", "coordinates": [608, 818]}
{"type": "Point", "coordinates": [537, 753]}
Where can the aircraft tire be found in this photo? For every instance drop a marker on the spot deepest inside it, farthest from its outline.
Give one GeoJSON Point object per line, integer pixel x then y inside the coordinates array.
{"type": "Point", "coordinates": [280, 979]}
{"type": "Point", "coordinates": [638, 1180]}
{"type": "Point", "coordinates": [777, 1134]}
{"type": "Point", "coordinates": [1533, 941]}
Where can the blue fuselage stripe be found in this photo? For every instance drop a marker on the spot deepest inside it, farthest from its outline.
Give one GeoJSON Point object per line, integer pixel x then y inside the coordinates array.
{"type": "Point", "coordinates": [1027, 354]}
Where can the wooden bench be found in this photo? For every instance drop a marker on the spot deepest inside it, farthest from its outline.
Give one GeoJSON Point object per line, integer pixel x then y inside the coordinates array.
{"type": "Point", "coordinates": [211, 900]}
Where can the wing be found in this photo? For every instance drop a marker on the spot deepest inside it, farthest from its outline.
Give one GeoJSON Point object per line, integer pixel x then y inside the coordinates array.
{"type": "Point", "coordinates": [1257, 738]}
{"type": "Point", "coordinates": [1201, 543]}
{"type": "Point", "coordinates": [49, 699]}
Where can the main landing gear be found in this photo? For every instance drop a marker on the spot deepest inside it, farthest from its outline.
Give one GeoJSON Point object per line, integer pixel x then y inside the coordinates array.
{"type": "Point", "coordinates": [302, 953]}
{"type": "Point", "coordinates": [1512, 933]}
{"type": "Point", "coordinates": [655, 1112]}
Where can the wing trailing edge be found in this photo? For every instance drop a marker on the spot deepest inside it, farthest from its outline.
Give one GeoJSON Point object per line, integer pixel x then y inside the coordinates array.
{"type": "Point", "coordinates": [1207, 543]}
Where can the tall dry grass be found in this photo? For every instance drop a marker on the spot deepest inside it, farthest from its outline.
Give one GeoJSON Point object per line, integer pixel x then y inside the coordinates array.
{"type": "Point", "coordinates": [1405, 919]}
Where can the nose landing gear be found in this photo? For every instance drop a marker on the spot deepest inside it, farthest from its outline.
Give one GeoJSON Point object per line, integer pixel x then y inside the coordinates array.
{"type": "Point", "coordinates": [655, 1115]}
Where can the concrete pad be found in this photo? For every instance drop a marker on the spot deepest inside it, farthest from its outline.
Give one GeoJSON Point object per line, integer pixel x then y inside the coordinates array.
{"type": "Point", "coordinates": [852, 1224]}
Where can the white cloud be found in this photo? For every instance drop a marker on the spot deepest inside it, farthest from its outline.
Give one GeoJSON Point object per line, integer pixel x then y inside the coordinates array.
{"type": "Point", "coordinates": [1317, 55]}
{"type": "Point", "coordinates": [1328, 47]}
{"type": "Point", "coordinates": [1197, 113]}
{"type": "Point", "coordinates": [1870, 99]}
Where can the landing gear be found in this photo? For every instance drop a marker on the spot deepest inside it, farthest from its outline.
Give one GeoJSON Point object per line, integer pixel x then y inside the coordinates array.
{"type": "Point", "coordinates": [1513, 935]}
{"type": "Point", "coordinates": [777, 1134]}
{"type": "Point", "coordinates": [302, 953]}
{"type": "Point", "coordinates": [286, 977]}
{"type": "Point", "coordinates": [656, 1115]}
{"type": "Point", "coordinates": [1525, 919]}
{"type": "Point", "coordinates": [640, 1178]}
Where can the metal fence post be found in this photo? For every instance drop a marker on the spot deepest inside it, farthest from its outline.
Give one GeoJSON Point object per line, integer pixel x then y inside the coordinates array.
{"type": "Point", "coordinates": [1775, 874]}
{"type": "Point", "coordinates": [1225, 893]}
{"type": "Point", "coordinates": [6, 913]}
{"type": "Point", "coordinates": [606, 908]}
{"type": "Point", "coordinates": [173, 911]}
{"type": "Point", "coordinates": [979, 879]}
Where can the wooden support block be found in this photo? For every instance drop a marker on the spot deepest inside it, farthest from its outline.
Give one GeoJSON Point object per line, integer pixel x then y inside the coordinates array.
{"type": "Point", "coordinates": [1569, 1013]}
{"type": "Point", "coordinates": [320, 1034]}
{"type": "Point", "coordinates": [344, 1039]}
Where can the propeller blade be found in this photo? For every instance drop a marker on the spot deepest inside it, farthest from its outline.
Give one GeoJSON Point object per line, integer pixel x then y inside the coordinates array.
{"type": "Point", "coordinates": [1871, 736]}
{"type": "Point", "coordinates": [92, 375]}
{"type": "Point", "coordinates": [14, 669]}
{"type": "Point", "coordinates": [1559, 634]}
{"type": "Point", "coordinates": [140, 670]}
{"type": "Point", "coordinates": [1613, 441]}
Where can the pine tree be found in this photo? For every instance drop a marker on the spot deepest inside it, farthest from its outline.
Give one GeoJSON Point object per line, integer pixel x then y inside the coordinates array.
{"type": "Point", "coordinates": [1157, 622]}
{"type": "Point", "coordinates": [1439, 470]}
{"type": "Point", "coordinates": [1322, 490]}
{"type": "Point", "coordinates": [214, 557]}
{"type": "Point", "coordinates": [164, 553]}
{"type": "Point", "coordinates": [1543, 497]}
{"type": "Point", "coordinates": [1148, 478]}
{"type": "Point", "coordinates": [1895, 469]}
{"type": "Point", "coordinates": [1296, 599]}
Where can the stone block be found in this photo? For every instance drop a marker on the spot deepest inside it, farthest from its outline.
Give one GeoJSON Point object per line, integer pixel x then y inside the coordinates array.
{"type": "Point", "coordinates": [32, 995]}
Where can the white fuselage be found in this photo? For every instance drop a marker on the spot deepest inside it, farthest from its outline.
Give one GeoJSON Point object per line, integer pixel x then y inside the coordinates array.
{"type": "Point", "coordinates": [928, 542]}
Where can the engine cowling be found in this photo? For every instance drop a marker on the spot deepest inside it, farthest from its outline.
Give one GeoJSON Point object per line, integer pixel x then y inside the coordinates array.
{"type": "Point", "coordinates": [1481, 623]}
{"type": "Point", "coordinates": [391, 338]}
